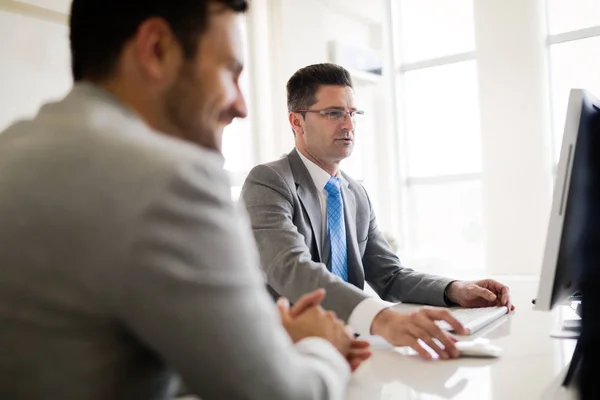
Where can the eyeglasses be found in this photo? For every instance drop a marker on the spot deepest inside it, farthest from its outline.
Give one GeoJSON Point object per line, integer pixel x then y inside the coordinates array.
{"type": "Point", "coordinates": [334, 114]}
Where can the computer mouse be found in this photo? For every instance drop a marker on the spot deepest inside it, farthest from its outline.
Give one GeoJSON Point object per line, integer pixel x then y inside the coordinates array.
{"type": "Point", "coordinates": [476, 348]}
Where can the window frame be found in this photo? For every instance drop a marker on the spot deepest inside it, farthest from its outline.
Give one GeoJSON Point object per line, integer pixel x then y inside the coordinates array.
{"type": "Point", "coordinates": [406, 182]}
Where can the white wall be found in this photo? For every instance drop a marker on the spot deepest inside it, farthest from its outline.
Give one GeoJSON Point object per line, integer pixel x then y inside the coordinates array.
{"type": "Point", "coordinates": [35, 63]}
{"type": "Point", "coordinates": [514, 103]}
{"type": "Point", "coordinates": [60, 6]}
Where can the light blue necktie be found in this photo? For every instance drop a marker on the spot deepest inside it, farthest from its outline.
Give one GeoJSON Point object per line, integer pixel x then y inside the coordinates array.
{"type": "Point", "coordinates": [337, 229]}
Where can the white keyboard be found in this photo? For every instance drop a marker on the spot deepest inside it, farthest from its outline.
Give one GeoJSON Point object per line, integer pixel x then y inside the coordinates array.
{"type": "Point", "coordinates": [473, 319]}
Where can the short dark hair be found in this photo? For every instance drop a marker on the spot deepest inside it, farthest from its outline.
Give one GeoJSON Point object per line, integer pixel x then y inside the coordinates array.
{"type": "Point", "coordinates": [302, 87]}
{"type": "Point", "coordinates": [100, 28]}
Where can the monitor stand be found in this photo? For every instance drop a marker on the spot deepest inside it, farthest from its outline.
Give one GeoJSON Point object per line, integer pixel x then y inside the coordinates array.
{"type": "Point", "coordinates": [571, 328]}
{"type": "Point", "coordinates": [574, 327]}
{"type": "Point", "coordinates": [573, 365]}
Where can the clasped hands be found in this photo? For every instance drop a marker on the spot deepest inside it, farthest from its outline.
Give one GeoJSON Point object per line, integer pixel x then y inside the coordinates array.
{"type": "Point", "coordinates": [306, 318]}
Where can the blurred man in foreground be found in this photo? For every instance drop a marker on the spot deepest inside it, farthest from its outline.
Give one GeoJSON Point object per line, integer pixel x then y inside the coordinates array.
{"type": "Point", "coordinates": [123, 257]}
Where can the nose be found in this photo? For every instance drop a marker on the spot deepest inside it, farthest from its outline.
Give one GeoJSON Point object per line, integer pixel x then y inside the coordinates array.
{"type": "Point", "coordinates": [240, 109]}
{"type": "Point", "coordinates": [348, 123]}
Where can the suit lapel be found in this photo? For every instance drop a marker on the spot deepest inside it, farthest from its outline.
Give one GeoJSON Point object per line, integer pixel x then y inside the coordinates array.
{"type": "Point", "coordinates": [309, 197]}
{"type": "Point", "coordinates": [356, 275]}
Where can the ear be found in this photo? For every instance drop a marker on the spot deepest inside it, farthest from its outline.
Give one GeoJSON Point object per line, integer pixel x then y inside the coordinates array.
{"type": "Point", "coordinates": [158, 52]}
{"type": "Point", "coordinates": [297, 123]}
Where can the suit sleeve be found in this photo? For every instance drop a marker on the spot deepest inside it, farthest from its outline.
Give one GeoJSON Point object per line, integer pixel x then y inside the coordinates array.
{"type": "Point", "coordinates": [192, 291]}
{"type": "Point", "coordinates": [392, 281]}
{"type": "Point", "coordinates": [284, 256]}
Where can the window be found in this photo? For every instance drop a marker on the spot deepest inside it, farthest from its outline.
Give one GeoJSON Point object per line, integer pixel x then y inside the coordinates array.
{"type": "Point", "coordinates": [238, 143]}
{"type": "Point", "coordinates": [442, 128]}
{"type": "Point", "coordinates": [436, 28]}
{"type": "Point", "coordinates": [574, 40]}
{"type": "Point", "coordinates": [441, 143]}
{"type": "Point", "coordinates": [568, 16]}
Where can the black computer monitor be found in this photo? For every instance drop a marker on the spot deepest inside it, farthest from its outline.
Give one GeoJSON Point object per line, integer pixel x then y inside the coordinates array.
{"type": "Point", "coordinates": [573, 238]}
{"type": "Point", "coordinates": [572, 253]}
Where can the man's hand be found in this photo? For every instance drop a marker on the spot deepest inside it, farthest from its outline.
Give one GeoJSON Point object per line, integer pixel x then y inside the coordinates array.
{"type": "Point", "coordinates": [360, 350]}
{"type": "Point", "coordinates": [307, 301]}
{"type": "Point", "coordinates": [484, 293]}
{"type": "Point", "coordinates": [298, 329]}
{"type": "Point", "coordinates": [315, 321]}
{"type": "Point", "coordinates": [407, 329]}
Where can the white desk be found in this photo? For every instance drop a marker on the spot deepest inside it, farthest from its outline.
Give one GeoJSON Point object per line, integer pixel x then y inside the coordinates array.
{"type": "Point", "coordinates": [531, 367]}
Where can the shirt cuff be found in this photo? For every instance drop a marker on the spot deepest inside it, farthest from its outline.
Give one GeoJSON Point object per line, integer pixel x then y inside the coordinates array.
{"type": "Point", "coordinates": [364, 313]}
{"type": "Point", "coordinates": [447, 300]}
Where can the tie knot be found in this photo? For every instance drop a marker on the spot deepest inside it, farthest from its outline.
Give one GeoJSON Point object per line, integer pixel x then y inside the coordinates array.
{"type": "Point", "coordinates": [333, 186]}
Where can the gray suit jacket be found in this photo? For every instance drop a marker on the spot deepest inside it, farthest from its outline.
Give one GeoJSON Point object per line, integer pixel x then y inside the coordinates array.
{"type": "Point", "coordinates": [122, 259]}
{"type": "Point", "coordinates": [285, 213]}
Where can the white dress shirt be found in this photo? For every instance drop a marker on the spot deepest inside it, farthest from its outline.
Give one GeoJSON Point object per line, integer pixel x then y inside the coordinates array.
{"type": "Point", "coordinates": [365, 312]}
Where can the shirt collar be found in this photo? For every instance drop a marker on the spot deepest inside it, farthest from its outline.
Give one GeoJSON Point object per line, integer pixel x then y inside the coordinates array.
{"type": "Point", "coordinates": [319, 176]}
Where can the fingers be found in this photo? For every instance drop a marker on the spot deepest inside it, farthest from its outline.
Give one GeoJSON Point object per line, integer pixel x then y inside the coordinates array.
{"type": "Point", "coordinates": [425, 330]}
{"type": "Point", "coordinates": [444, 315]}
{"type": "Point", "coordinates": [433, 331]}
{"type": "Point", "coordinates": [359, 353]}
{"type": "Point", "coordinates": [419, 330]}
{"type": "Point", "coordinates": [484, 294]}
{"type": "Point", "coordinates": [416, 346]}
{"type": "Point", "coordinates": [283, 305]}
{"type": "Point", "coordinates": [357, 356]}
{"type": "Point", "coordinates": [502, 291]}
{"type": "Point", "coordinates": [360, 350]}
{"type": "Point", "coordinates": [490, 284]}
{"type": "Point", "coordinates": [354, 364]}
{"type": "Point", "coordinates": [506, 299]}
{"type": "Point", "coordinates": [360, 344]}
{"type": "Point", "coordinates": [356, 359]}
{"type": "Point", "coordinates": [504, 295]}
{"type": "Point", "coordinates": [427, 338]}
{"type": "Point", "coordinates": [307, 301]}
{"type": "Point", "coordinates": [340, 334]}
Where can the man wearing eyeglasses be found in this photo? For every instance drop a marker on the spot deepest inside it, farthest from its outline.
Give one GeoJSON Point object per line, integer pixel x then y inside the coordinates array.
{"type": "Point", "coordinates": [315, 227]}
